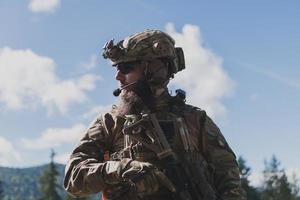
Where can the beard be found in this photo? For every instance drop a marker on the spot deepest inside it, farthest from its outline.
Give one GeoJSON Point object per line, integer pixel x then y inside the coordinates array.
{"type": "Point", "coordinates": [130, 103]}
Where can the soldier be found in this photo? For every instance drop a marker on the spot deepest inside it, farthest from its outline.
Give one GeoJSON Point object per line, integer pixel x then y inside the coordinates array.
{"type": "Point", "coordinates": [152, 145]}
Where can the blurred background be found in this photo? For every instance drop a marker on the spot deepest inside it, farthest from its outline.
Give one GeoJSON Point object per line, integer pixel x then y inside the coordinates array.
{"type": "Point", "coordinates": [242, 67]}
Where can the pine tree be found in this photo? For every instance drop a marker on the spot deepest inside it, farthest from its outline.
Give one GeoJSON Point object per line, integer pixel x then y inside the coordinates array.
{"type": "Point", "coordinates": [276, 185]}
{"type": "Point", "coordinates": [252, 193]}
{"type": "Point", "coordinates": [48, 181]}
{"type": "Point", "coordinates": [295, 187]}
{"type": "Point", "coordinates": [1, 190]}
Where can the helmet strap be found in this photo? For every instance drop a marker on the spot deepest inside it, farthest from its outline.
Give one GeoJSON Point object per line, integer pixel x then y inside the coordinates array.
{"type": "Point", "coordinates": [156, 78]}
{"type": "Point", "coordinates": [142, 89]}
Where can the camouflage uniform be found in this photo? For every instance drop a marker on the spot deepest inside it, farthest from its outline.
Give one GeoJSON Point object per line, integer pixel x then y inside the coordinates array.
{"type": "Point", "coordinates": [194, 136]}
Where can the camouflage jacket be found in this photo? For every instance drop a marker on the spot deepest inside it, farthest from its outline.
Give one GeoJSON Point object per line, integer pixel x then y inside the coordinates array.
{"type": "Point", "coordinates": [83, 174]}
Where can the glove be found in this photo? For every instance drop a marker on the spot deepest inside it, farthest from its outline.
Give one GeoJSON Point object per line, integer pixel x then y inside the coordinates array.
{"type": "Point", "coordinates": [115, 172]}
{"type": "Point", "coordinates": [145, 177]}
{"type": "Point", "coordinates": [150, 182]}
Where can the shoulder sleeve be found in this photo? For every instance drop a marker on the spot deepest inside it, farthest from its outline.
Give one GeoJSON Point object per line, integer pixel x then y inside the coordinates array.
{"type": "Point", "coordinates": [84, 168]}
{"type": "Point", "coordinates": [226, 174]}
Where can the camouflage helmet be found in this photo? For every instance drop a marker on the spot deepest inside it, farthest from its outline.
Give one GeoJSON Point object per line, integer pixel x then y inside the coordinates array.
{"type": "Point", "coordinates": [145, 46]}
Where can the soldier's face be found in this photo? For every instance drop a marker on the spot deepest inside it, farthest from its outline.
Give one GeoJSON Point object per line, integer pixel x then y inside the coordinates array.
{"type": "Point", "coordinates": [128, 74]}
{"type": "Point", "coordinates": [128, 101]}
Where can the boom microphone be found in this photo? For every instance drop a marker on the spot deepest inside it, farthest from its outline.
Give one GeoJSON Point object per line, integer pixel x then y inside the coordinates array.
{"type": "Point", "coordinates": [118, 91]}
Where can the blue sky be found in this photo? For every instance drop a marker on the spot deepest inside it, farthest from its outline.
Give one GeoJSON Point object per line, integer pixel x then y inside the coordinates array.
{"type": "Point", "coordinates": [242, 67]}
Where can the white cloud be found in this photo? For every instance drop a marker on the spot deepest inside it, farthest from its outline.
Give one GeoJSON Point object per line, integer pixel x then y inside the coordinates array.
{"type": "Point", "coordinates": [55, 137]}
{"type": "Point", "coordinates": [91, 63]}
{"type": "Point", "coordinates": [96, 110]}
{"type": "Point", "coordinates": [204, 78]}
{"type": "Point", "coordinates": [28, 79]}
{"type": "Point", "coordinates": [62, 158]}
{"type": "Point", "coordinates": [8, 153]}
{"type": "Point", "coordinates": [293, 173]}
{"type": "Point", "coordinates": [47, 6]}
{"type": "Point", "coordinates": [256, 179]}
{"type": "Point", "coordinates": [86, 82]}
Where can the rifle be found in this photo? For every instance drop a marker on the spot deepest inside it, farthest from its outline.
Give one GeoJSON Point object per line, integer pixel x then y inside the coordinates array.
{"type": "Point", "coordinates": [189, 180]}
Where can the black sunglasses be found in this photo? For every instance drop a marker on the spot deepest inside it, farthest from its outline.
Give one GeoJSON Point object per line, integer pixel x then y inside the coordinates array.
{"type": "Point", "coordinates": [127, 67]}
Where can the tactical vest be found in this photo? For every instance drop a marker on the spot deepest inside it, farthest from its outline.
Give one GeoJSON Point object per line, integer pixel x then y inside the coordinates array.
{"type": "Point", "coordinates": [183, 127]}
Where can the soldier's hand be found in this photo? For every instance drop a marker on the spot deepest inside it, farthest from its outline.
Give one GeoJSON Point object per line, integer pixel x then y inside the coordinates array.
{"type": "Point", "coordinates": [116, 172]}
{"type": "Point", "coordinates": [145, 177]}
{"type": "Point", "coordinates": [151, 181]}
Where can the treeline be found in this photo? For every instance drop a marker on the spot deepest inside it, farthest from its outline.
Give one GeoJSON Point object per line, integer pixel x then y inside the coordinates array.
{"type": "Point", "coordinates": [275, 184]}
{"type": "Point", "coordinates": [35, 183]}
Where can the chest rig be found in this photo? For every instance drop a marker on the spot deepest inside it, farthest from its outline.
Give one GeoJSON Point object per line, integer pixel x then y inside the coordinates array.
{"type": "Point", "coordinates": [149, 137]}
{"type": "Point", "coordinates": [174, 142]}
{"type": "Point", "coordinates": [169, 142]}
{"type": "Point", "coordinates": [162, 133]}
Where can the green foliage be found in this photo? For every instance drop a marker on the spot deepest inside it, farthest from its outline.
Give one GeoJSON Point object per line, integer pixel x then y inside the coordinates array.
{"type": "Point", "coordinates": [49, 183]}
{"type": "Point", "coordinates": [276, 185]}
{"type": "Point", "coordinates": [1, 190]}
{"type": "Point", "coordinates": [252, 193]}
{"type": "Point", "coordinates": [295, 187]}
